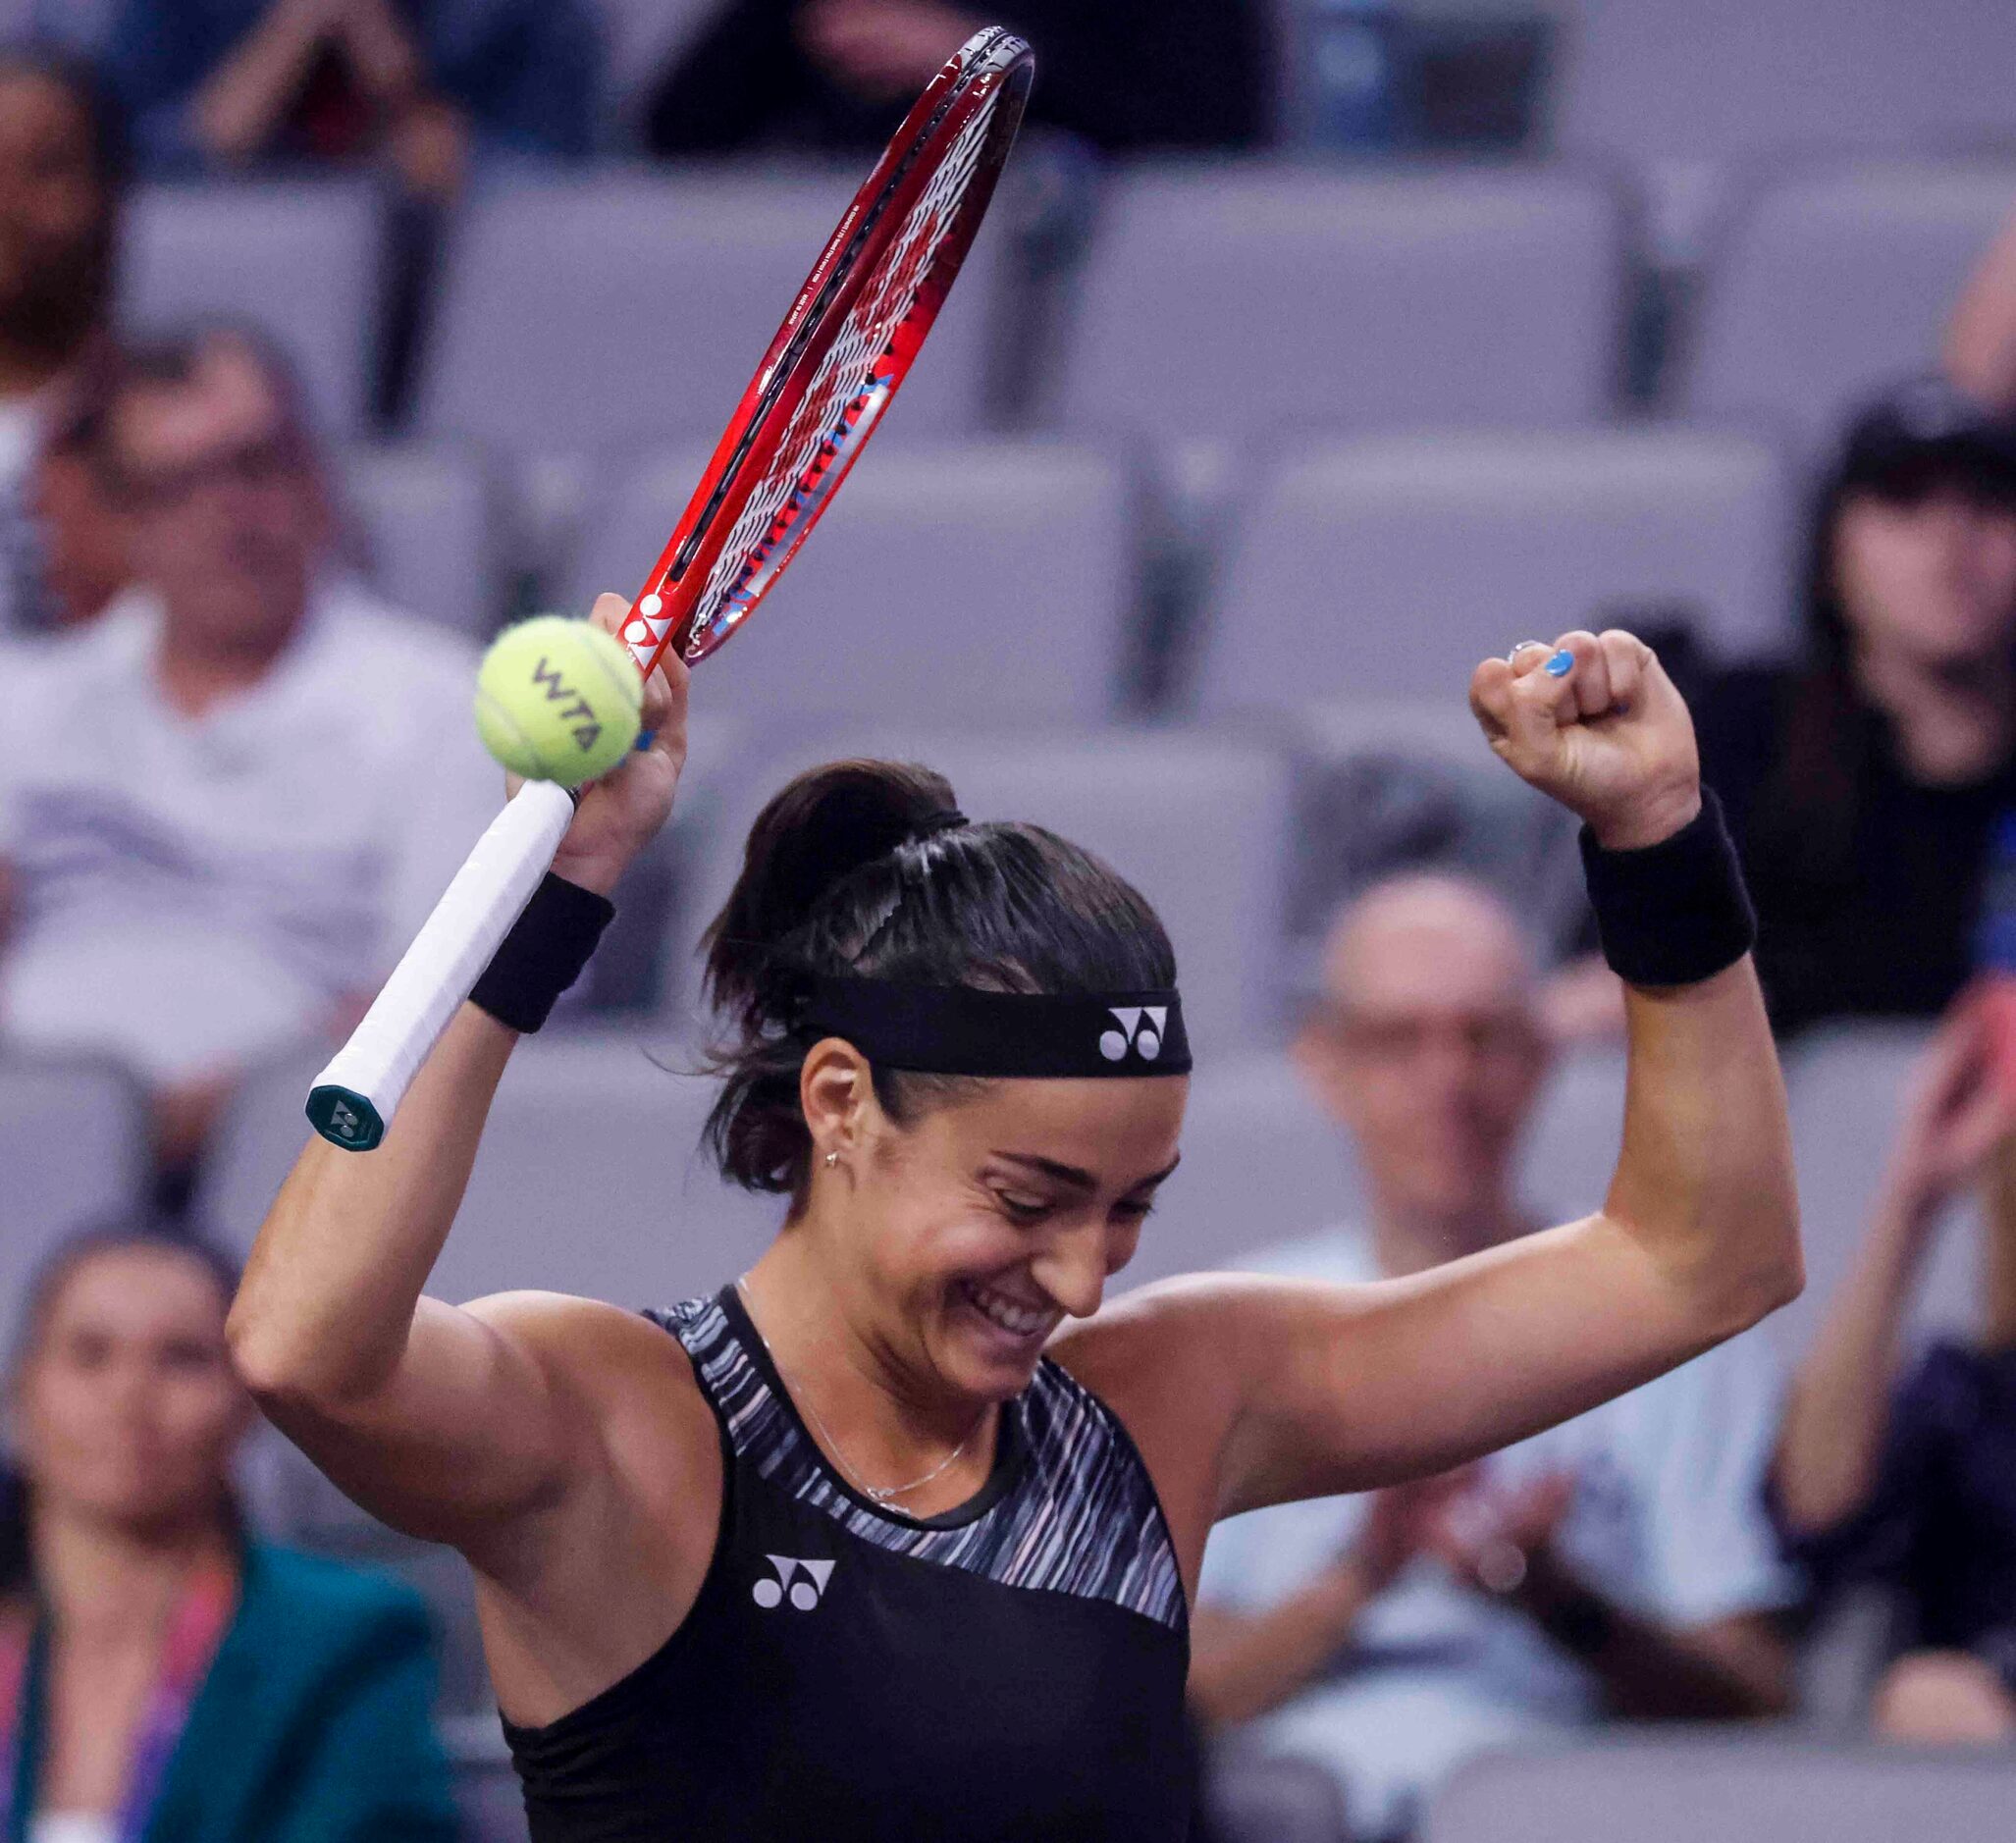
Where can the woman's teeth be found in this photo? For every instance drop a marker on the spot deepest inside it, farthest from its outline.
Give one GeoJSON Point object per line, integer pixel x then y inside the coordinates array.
{"type": "Point", "coordinates": [1019, 1321]}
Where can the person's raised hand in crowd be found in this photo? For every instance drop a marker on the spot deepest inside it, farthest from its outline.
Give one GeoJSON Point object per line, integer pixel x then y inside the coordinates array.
{"type": "Point", "coordinates": [1962, 1105]}
{"type": "Point", "coordinates": [1407, 1520]}
{"type": "Point", "coordinates": [883, 50]}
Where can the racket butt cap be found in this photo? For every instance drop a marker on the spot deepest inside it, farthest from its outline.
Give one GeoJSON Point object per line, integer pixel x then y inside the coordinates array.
{"type": "Point", "coordinates": [345, 1117]}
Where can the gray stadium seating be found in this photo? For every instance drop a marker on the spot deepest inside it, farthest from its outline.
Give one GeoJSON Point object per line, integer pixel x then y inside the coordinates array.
{"type": "Point", "coordinates": [1388, 566]}
{"type": "Point", "coordinates": [612, 312]}
{"type": "Point", "coordinates": [1198, 822]}
{"type": "Point", "coordinates": [74, 1148]}
{"type": "Point", "coordinates": [1835, 281]}
{"type": "Point", "coordinates": [1222, 300]}
{"type": "Point", "coordinates": [984, 581]}
{"type": "Point", "coordinates": [589, 1180]}
{"type": "Point", "coordinates": [1730, 1789]}
{"type": "Point", "coordinates": [300, 259]}
{"type": "Point", "coordinates": [426, 531]}
{"type": "Point", "coordinates": [1702, 79]}
{"type": "Point", "coordinates": [1393, 785]}
{"type": "Point", "coordinates": [1263, 1164]}
{"type": "Point", "coordinates": [1847, 1084]}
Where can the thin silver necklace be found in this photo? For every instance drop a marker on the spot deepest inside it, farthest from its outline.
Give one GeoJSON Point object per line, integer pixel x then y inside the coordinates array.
{"type": "Point", "coordinates": [882, 1495]}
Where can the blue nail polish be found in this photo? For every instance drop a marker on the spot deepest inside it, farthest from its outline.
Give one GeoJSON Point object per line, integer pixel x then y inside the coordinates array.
{"type": "Point", "coordinates": [644, 738]}
{"type": "Point", "coordinates": [1561, 665]}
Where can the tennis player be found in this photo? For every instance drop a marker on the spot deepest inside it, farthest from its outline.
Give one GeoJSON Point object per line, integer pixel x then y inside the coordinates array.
{"type": "Point", "coordinates": [893, 1537]}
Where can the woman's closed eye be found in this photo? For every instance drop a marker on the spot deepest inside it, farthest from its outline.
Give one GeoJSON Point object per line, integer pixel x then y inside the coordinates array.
{"type": "Point", "coordinates": [1021, 1207]}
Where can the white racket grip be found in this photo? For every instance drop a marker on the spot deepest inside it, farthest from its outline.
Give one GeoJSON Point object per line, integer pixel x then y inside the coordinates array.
{"type": "Point", "coordinates": [355, 1098]}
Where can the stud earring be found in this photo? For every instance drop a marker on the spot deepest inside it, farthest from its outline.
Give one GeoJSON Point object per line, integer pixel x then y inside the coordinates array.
{"type": "Point", "coordinates": [832, 1160]}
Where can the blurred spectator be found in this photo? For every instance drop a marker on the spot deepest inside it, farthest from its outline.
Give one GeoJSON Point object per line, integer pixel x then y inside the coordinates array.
{"type": "Point", "coordinates": [1981, 339]}
{"type": "Point", "coordinates": [162, 1671]}
{"type": "Point", "coordinates": [60, 176]}
{"type": "Point", "coordinates": [837, 75]}
{"type": "Point", "coordinates": [227, 805]}
{"type": "Point", "coordinates": [1620, 1562]}
{"type": "Point", "coordinates": [1903, 1471]}
{"type": "Point", "coordinates": [421, 83]}
{"type": "Point", "coordinates": [85, 555]}
{"type": "Point", "coordinates": [1864, 782]}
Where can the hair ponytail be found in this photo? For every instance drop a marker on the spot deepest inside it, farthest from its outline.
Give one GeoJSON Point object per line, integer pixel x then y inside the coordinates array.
{"type": "Point", "coordinates": [845, 875]}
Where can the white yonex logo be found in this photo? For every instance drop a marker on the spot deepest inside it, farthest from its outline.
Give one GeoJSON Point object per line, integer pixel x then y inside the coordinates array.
{"type": "Point", "coordinates": [804, 1581]}
{"type": "Point", "coordinates": [344, 1121]}
{"type": "Point", "coordinates": [1141, 1030]}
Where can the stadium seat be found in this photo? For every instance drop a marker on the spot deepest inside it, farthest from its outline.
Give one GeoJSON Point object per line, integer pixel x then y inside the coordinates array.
{"type": "Point", "coordinates": [426, 531]}
{"type": "Point", "coordinates": [589, 1181]}
{"type": "Point", "coordinates": [1848, 1085]}
{"type": "Point", "coordinates": [1720, 80]}
{"type": "Point", "coordinates": [1263, 1164]}
{"type": "Point", "coordinates": [1198, 822]}
{"type": "Point", "coordinates": [1235, 300]}
{"type": "Point", "coordinates": [1732, 1789]}
{"type": "Point", "coordinates": [300, 259]}
{"type": "Point", "coordinates": [612, 312]}
{"type": "Point", "coordinates": [1387, 785]}
{"type": "Point", "coordinates": [1388, 566]}
{"type": "Point", "coordinates": [74, 1148]}
{"type": "Point", "coordinates": [1835, 281]}
{"type": "Point", "coordinates": [985, 581]}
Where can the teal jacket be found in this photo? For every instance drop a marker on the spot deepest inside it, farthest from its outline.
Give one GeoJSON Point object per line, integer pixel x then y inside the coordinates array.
{"type": "Point", "coordinates": [314, 1725]}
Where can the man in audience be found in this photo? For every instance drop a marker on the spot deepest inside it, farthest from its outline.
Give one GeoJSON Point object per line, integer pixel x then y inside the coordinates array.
{"type": "Point", "coordinates": [1618, 1563]}
{"type": "Point", "coordinates": [423, 84]}
{"type": "Point", "coordinates": [60, 185]}
{"type": "Point", "coordinates": [227, 804]}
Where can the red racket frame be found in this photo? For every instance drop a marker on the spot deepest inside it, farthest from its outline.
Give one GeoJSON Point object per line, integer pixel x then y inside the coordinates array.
{"type": "Point", "coordinates": [993, 69]}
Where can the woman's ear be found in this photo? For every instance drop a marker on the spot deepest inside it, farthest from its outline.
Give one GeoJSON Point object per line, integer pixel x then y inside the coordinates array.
{"type": "Point", "coordinates": [835, 1091]}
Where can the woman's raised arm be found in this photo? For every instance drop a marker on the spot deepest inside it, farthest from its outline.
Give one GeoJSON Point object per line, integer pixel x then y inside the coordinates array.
{"type": "Point", "coordinates": [1324, 1388]}
{"type": "Point", "coordinates": [443, 1420]}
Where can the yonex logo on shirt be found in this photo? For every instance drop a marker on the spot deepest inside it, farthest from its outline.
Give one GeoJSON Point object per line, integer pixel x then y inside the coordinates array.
{"type": "Point", "coordinates": [1141, 1030]}
{"type": "Point", "coordinates": [804, 1582]}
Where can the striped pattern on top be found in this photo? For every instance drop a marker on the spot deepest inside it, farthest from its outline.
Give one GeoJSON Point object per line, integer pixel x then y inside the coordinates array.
{"type": "Point", "coordinates": [1080, 1516]}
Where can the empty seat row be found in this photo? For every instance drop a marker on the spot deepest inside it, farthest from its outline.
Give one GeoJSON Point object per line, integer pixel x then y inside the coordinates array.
{"type": "Point", "coordinates": [996, 579]}
{"type": "Point", "coordinates": [1228, 298]}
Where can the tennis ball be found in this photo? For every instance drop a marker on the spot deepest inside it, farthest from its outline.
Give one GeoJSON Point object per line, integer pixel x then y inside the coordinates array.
{"type": "Point", "coordinates": [557, 700]}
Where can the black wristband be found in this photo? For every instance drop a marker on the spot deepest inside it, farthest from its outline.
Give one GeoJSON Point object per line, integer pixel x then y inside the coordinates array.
{"type": "Point", "coordinates": [543, 954]}
{"type": "Point", "coordinates": [1674, 913]}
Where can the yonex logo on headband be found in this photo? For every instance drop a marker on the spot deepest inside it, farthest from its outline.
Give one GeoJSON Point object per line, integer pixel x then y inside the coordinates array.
{"type": "Point", "coordinates": [1141, 1030]}
{"type": "Point", "coordinates": [957, 1030]}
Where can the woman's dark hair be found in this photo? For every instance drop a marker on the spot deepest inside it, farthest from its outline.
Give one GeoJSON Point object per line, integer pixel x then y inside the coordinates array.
{"type": "Point", "coordinates": [45, 1285]}
{"type": "Point", "coordinates": [1806, 810]}
{"type": "Point", "coordinates": [846, 874]}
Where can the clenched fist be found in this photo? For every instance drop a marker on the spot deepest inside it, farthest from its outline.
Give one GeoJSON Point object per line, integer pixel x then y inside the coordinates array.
{"type": "Point", "coordinates": [1594, 723]}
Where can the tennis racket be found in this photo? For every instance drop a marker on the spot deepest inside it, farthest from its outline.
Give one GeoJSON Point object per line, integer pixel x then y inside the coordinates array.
{"type": "Point", "coordinates": [843, 349]}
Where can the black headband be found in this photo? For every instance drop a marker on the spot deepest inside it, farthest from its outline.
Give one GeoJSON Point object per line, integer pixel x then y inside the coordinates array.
{"type": "Point", "coordinates": [953, 1030]}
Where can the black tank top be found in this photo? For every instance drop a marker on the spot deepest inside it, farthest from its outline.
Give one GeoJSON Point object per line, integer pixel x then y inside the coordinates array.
{"type": "Point", "coordinates": [1011, 1669]}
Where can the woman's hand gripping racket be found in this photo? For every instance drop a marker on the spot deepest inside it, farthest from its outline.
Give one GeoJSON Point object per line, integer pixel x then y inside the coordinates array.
{"type": "Point", "coordinates": [844, 348]}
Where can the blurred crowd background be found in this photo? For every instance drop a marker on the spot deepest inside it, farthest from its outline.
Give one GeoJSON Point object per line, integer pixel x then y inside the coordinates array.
{"type": "Point", "coordinates": [1313, 351]}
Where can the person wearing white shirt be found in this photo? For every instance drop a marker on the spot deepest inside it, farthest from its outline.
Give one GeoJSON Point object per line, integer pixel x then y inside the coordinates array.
{"type": "Point", "coordinates": [227, 804]}
{"type": "Point", "coordinates": [61, 178]}
{"type": "Point", "coordinates": [1620, 1563]}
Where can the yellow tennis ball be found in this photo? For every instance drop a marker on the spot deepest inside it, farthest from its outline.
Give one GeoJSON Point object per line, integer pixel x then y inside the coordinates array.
{"type": "Point", "coordinates": [557, 700]}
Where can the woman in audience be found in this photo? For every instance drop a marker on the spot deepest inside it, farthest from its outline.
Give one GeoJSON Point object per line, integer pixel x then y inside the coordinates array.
{"type": "Point", "coordinates": [1864, 782]}
{"type": "Point", "coordinates": [161, 1673]}
{"type": "Point", "coordinates": [1907, 1473]}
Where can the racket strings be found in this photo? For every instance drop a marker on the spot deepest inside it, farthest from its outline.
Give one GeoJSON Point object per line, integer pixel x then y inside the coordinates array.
{"type": "Point", "coordinates": [854, 378]}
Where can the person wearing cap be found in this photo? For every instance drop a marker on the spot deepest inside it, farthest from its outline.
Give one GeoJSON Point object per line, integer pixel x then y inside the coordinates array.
{"type": "Point", "coordinates": [896, 1535]}
{"type": "Point", "coordinates": [1863, 781]}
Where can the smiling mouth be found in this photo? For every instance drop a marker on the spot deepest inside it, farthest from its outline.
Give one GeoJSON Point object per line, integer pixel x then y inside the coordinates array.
{"type": "Point", "coordinates": [1024, 1322]}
